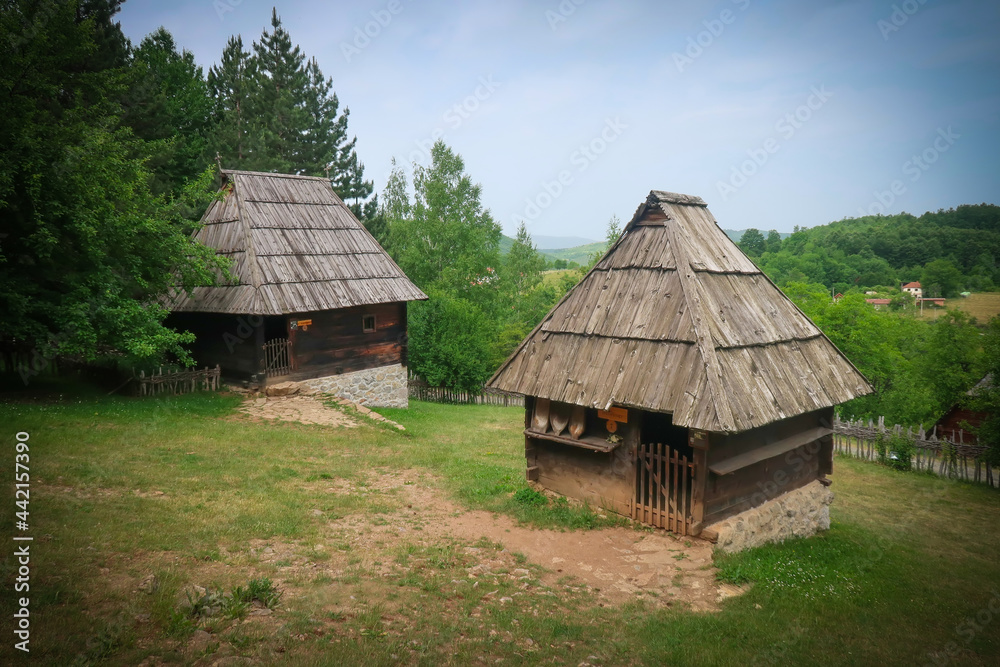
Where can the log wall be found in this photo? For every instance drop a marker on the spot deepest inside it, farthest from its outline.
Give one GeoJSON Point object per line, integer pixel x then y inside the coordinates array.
{"type": "Point", "coordinates": [336, 343]}
{"type": "Point", "coordinates": [766, 479]}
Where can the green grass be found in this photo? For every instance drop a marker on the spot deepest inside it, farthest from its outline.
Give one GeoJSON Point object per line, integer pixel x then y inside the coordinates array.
{"type": "Point", "coordinates": [183, 489]}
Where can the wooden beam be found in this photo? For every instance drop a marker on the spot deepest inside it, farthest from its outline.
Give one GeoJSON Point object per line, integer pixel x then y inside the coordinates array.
{"type": "Point", "coordinates": [595, 445]}
{"type": "Point", "coordinates": [770, 451]}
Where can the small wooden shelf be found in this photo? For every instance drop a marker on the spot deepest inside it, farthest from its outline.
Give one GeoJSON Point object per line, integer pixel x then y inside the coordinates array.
{"type": "Point", "coordinates": [769, 451]}
{"type": "Point", "coordinates": [585, 442]}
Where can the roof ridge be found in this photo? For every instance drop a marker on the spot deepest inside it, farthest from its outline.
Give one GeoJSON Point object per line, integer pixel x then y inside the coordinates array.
{"type": "Point", "coordinates": [271, 174]}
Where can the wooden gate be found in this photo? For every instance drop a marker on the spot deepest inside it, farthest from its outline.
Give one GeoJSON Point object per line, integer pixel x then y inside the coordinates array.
{"type": "Point", "coordinates": [277, 357]}
{"type": "Point", "coordinates": [663, 485]}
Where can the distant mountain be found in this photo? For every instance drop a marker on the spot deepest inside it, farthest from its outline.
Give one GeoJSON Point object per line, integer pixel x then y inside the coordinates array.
{"type": "Point", "coordinates": [560, 242]}
{"type": "Point", "coordinates": [737, 234]}
{"type": "Point", "coordinates": [580, 254]}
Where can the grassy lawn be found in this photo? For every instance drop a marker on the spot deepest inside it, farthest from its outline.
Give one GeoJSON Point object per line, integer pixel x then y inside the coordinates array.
{"type": "Point", "coordinates": [133, 502]}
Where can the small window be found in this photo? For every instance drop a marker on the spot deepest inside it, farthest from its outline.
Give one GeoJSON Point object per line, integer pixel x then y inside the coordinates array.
{"type": "Point", "coordinates": [368, 323]}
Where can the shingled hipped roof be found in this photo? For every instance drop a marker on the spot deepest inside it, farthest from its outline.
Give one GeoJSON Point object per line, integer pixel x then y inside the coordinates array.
{"type": "Point", "coordinates": [296, 248]}
{"type": "Point", "coordinates": [675, 318]}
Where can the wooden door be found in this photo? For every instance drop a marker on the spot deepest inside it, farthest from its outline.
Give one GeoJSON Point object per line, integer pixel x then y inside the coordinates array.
{"type": "Point", "coordinates": [663, 486]}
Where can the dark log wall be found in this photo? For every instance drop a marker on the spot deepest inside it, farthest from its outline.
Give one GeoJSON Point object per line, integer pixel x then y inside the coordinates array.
{"type": "Point", "coordinates": [601, 479]}
{"type": "Point", "coordinates": [226, 340]}
{"type": "Point", "coordinates": [336, 343]}
{"type": "Point", "coordinates": [959, 419]}
{"type": "Point", "coordinates": [755, 484]}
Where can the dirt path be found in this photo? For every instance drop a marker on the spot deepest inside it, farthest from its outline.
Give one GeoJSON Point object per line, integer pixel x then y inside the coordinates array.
{"type": "Point", "coordinates": [615, 564]}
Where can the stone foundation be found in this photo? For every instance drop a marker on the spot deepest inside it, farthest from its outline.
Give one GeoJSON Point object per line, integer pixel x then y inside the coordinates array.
{"type": "Point", "coordinates": [799, 513]}
{"type": "Point", "coordinates": [384, 387]}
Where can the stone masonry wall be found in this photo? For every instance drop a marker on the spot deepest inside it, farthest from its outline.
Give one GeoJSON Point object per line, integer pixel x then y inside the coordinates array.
{"type": "Point", "coordinates": [799, 513]}
{"type": "Point", "coordinates": [384, 387]}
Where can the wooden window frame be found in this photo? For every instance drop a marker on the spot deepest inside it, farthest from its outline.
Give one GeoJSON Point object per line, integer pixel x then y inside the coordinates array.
{"type": "Point", "coordinates": [364, 324]}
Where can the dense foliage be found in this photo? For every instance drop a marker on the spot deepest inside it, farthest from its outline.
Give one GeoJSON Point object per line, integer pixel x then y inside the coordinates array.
{"type": "Point", "coordinates": [947, 251]}
{"type": "Point", "coordinates": [91, 237]}
{"type": "Point", "coordinates": [918, 368]}
{"type": "Point", "coordinates": [481, 303]}
{"type": "Point", "coordinates": [107, 165]}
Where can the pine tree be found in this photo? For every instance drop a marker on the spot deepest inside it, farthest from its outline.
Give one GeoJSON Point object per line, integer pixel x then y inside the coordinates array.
{"type": "Point", "coordinates": [278, 102]}
{"type": "Point", "coordinates": [230, 84]}
{"type": "Point", "coordinates": [276, 111]}
{"type": "Point", "coordinates": [168, 106]}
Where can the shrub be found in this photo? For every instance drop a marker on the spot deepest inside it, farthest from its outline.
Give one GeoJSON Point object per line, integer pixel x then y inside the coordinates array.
{"type": "Point", "coordinates": [895, 451]}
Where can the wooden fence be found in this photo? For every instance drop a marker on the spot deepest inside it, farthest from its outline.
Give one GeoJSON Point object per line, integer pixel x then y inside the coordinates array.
{"type": "Point", "coordinates": [420, 390]}
{"type": "Point", "coordinates": [947, 457]}
{"type": "Point", "coordinates": [178, 381]}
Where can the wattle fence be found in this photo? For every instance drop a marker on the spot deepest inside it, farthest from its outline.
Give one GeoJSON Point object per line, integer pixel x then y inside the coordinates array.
{"type": "Point", "coordinates": [178, 381]}
{"type": "Point", "coordinates": [420, 390]}
{"type": "Point", "coordinates": [948, 457]}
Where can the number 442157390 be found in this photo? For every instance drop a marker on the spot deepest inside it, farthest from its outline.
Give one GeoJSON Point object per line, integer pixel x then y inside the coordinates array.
{"type": "Point", "coordinates": [22, 479]}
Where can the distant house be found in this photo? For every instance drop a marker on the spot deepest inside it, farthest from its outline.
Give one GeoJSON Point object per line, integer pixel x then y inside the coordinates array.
{"type": "Point", "coordinates": [879, 304]}
{"type": "Point", "coordinates": [315, 297]}
{"type": "Point", "coordinates": [913, 289]}
{"type": "Point", "coordinates": [838, 297]}
{"type": "Point", "coordinates": [955, 424]}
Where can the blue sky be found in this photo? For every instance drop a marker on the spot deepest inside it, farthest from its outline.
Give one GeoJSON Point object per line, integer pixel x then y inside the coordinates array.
{"type": "Point", "coordinates": [777, 113]}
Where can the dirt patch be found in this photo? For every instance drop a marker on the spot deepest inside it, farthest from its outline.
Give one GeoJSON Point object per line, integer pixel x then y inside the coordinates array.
{"type": "Point", "coordinates": [297, 408]}
{"type": "Point", "coordinates": [614, 564]}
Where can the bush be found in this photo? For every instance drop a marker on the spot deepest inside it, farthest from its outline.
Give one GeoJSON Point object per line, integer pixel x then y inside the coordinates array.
{"type": "Point", "coordinates": [895, 451]}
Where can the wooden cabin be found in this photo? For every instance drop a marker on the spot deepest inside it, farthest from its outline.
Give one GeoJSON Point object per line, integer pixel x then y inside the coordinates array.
{"type": "Point", "coordinates": [315, 299]}
{"type": "Point", "coordinates": [676, 383]}
{"type": "Point", "coordinates": [960, 422]}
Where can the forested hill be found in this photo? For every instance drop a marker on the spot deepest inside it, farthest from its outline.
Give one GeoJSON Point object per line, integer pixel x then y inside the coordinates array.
{"type": "Point", "coordinates": [947, 251]}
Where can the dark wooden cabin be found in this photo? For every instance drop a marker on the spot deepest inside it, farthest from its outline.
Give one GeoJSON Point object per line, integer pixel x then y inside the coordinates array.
{"type": "Point", "coordinates": [675, 383]}
{"type": "Point", "coordinates": [315, 295]}
{"type": "Point", "coordinates": [960, 422]}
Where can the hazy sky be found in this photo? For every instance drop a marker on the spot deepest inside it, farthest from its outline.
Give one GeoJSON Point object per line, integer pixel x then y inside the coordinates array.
{"type": "Point", "coordinates": [778, 113]}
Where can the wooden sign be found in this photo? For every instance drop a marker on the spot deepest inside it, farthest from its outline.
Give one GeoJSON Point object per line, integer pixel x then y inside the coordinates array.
{"type": "Point", "coordinates": [614, 414]}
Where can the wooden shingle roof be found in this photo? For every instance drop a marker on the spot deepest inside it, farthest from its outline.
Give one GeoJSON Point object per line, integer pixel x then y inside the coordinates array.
{"type": "Point", "coordinates": [675, 318]}
{"type": "Point", "coordinates": [296, 248]}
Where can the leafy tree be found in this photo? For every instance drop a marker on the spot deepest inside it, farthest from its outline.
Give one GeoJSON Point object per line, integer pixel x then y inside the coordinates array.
{"type": "Point", "coordinates": [953, 359]}
{"type": "Point", "coordinates": [169, 107]}
{"type": "Point", "coordinates": [445, 237]}
{"type": "Point", "coordinates": [941, 278]}
{"type": "Point", "coordinates": [450, 247]}
{"type": "Point", "coordinates": [89, 249]}
{"type": "Point", "coordinates": [773, 241]}
{"type": "Point", "coordinates": [986, 397]}
{"type": "Point", "coordinates": [753, 242]}
{"type": "Point", "coordinates": [451, 342]}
